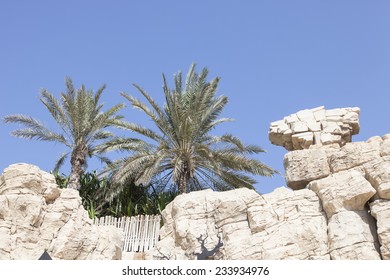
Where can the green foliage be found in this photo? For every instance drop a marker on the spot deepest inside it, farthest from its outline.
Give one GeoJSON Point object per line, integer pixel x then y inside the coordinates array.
{"type": "Point", "coordinates": [132, 200]}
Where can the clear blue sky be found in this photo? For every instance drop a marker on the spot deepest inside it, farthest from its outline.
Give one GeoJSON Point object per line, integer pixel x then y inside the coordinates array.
{"type": "Point", "coordinates": [274, 58]}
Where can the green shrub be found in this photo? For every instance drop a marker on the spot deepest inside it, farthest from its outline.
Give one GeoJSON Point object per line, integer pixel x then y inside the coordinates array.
{"type": "Point", "coordinates": [131, 201]}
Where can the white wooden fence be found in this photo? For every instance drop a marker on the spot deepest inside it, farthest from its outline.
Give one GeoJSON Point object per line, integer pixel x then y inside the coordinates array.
{"type": "Point", "coordinates": [141, 232]}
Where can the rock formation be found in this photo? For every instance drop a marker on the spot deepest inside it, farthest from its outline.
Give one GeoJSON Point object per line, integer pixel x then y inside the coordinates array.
{"type": "Point", "coordinates": [37, 216]}
{"type": "Point", "coordinates": [315, 127]}
{"type": "Point", "coordinates": [338, 208]}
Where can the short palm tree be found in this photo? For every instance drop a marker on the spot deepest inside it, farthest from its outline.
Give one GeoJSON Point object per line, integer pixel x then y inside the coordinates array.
{"type": "Point", "coordinates": [82, 123]}
{"type": "Point", "coordinates": [182, 149]}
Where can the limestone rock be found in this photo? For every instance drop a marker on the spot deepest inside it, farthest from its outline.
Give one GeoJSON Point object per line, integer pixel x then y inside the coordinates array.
{"type": "Point", "coordinates": [315, 127]}
{"type": "Point", "coordinates": [352, 236]}
{"type": "Point", "coordinates": [347, 190]}
{"type": "Point", "coordinates": [380, 209]}
{"type": "Point", "coordinates": [37, 216]}
{"type": "Point", "coordinates": [354, 154]}
{"type": "Point", "coordinates": [385, 146]}
{"type": "Point", "coordinates": [302, 140]}
{"type": "Point", "coordinates": [378, 173]}
{"type": "Point", "coordinates": [304, 166]}
{"type": "Point", "coordinates": [345, 176]}
{"type": "Point", "coordinates": [280, 225]}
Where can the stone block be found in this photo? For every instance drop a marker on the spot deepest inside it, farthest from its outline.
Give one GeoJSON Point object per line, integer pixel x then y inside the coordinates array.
{"type": "Point", "coordinates": [352, 236]}
{"type": "Point", "coordinates": [346, 190]}
{"type": "Point", "coordinates": [313, 125]}
{"type": "Point", "coordinates": [299, 127]}
{"type": "Point", "coordinates": [291, 118]}
{"type": "Point", "coordinates": [305, 166]}
{"type": "Point", "coordinates": [329, 127]}
{"type": "Point", "coordinates": [302, 140]}
{"type": "Point", "coordinates": [378, 174]}
{"type": "Point", "coordinates": [335, 112]}
{"type": "Point", "coordinates": [305, 115]}
{"type": "Point", "coordinates": [328, 138]}
{"type": "Point", "coordinates": [353, 154]}
{"type": "Point", "coordinates": [385, 147]}
{"type": "Point", "coordinates": [320, 115]}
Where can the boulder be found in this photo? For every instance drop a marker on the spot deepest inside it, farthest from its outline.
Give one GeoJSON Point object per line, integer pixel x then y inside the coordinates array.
{"type": "Point", "coordinates": [36, 216]}
{"type": "Point", "coordinates": [346, 190]}
{"type": "Point", "coordinates": [352, 236]}
{"type": "Point", "coordinates": [304, 166]}
{"type": "Point", "coordinates": [353, 154]}
{"type": "Point", "coordinates": [378, 174]}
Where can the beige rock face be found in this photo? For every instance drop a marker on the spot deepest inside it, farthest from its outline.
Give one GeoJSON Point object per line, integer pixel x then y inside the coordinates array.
{"type": "Point", "coordinates": [378, 173]}
{"type": "Point", "coordinates": [345, 176]}
{"type": "Point", "coordinates": [305, 166]}
{"type": "Point", "coordinates": [380, 209]}
{"type": "Point", "coordinates": [280, 225]}
{"type": "Point", "coordinates": [352, 236]}
{"type": "Point", "coordinates": [343, 191]}
{"type": "Point", "coordinates": [354, 154]}
{"type": "Point", "coordinates": [35, 215]}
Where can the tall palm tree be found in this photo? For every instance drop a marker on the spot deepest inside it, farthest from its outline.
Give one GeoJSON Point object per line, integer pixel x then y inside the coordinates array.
{"type": "Point", "coordinates": [82, 124]}
{"type": "Point", "coordinates": [182, 149]}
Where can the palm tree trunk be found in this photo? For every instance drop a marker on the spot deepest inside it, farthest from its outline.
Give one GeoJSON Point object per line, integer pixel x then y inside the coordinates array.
{"type": "Point", "coordinates": [183, 180]}
{"type": "Point", "coordinates": [74, 178]}
{"type": "Point", "coordinates": [77, 161]}
{"type": "Point", "coordinates": [182, 186]}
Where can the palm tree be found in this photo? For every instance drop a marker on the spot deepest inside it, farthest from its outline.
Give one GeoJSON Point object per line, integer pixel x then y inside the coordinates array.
{"type": "Point", "coordinates": [182, 149]}
{"type": "Point", "coordinates": [82, 123]}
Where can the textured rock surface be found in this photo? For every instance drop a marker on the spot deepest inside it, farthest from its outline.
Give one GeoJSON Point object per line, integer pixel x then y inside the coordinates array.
{"type": "Point", "coordinates": [378, 173]}
{"type": "Point", "coordinates": [280, 225]}
{"type": "Point", "coordinates": [345, 176]}
{"type": "Point", "coordinates": [352, 235]}
{"type": "Point", "coordinates": [315, 127]}
{"type": "Point", "coordinates": [343, 191]}
{"type": "Point", "coordinates": [380, 209]}
{"type": "Point", "coordinates": [35, 215]}
{"type": "Point", "coordinates": [304, 166]}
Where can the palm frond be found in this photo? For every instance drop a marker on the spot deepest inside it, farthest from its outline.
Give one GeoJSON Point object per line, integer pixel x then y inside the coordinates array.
{"type": "Point", "coordinates": [56, 110]}
{"type": "Point", "coordinates": [141, 130]}
{"type": "Point", "coordinates": [132, 167]}
{"type": "Point", "coordinates": [60, 161]}
{"type": "Point", "coordinates": [124, 144]}
{"type": "Point", "coordinates": [34, 130]}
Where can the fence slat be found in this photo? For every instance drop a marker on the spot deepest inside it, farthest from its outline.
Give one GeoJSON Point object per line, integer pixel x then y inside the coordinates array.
{"type": "Point", "coordinates": [141, 232]}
